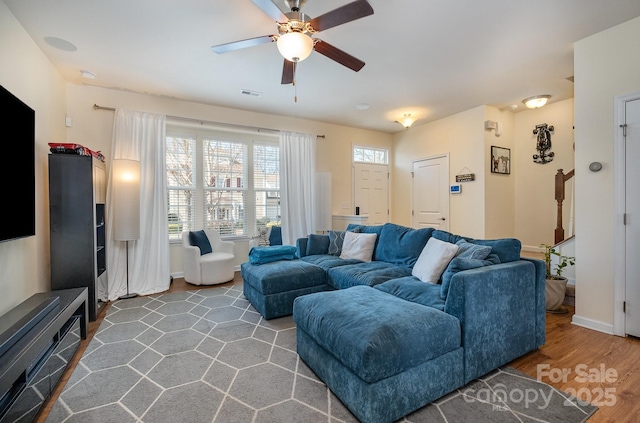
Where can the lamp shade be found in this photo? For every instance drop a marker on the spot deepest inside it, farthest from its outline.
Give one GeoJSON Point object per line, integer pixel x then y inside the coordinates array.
{"type": "Point", "coordinates": [126, 199]}
{"type": "Point", "coordinates": [295, 46]}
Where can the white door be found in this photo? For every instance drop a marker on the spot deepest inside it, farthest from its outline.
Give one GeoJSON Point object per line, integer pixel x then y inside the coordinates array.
{"type": "Point", "coordinates": [431, 193]}
{"type": "Point", "coordinates": [371, 191]}
{"type": "Point", "coordinates": [632, 211]}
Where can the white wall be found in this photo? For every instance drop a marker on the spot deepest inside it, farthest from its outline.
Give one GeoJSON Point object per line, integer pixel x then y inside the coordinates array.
{"type": "Point", "coordinates": [93, 128]}
{"type": "Point", "coordinates": [520, 205]}
{"type": "Point", "coordinates": [485, 208]}
{"type": "Point", "coordinates": [606, 65]}
{"type": "Point", "coordinates": [26, 72]}
{"type": "Point", "coordinates": [535, 205]}
{"type": "Point", "coordinates": [499, 188]}
{"type": "Point", "coordinates": [460, 135]}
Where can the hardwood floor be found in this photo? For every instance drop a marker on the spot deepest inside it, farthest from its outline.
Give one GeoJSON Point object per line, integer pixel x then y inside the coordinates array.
{"type": "Point", "coordinates": [601, 368]}
{"type": "Point", "coordinates": [609, 364]}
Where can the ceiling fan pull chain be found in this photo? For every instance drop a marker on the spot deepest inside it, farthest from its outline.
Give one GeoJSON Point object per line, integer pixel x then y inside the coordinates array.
{"type": "Point", "coordinates": [295, 86]}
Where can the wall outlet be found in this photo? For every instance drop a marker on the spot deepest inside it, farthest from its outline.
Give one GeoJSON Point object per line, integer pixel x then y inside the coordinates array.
{"type": "Point", "coordinates": [345, 205]}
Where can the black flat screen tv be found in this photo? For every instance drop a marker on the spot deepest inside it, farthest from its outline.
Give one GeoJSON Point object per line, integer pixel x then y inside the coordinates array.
{"type": "Point", "coordinates": [17, 172]}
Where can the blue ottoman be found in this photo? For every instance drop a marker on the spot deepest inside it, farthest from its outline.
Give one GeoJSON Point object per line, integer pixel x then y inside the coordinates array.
{"type": "Point", "coordinates": [384, 357]}
{"type": "Point", "coordinates": [272, 287]}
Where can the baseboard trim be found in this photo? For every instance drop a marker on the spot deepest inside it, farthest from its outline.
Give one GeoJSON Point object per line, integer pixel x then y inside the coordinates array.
{"type": "Point", "coordinates": [181, 274]}
{"type": "Point", "coordinates": [592, 324]}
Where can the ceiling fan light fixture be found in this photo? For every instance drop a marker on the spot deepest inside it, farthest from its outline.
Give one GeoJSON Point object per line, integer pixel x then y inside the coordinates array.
{"type": "Point", "coordinates": [295, 46]}
{"type": "Point", "coordinates": [537, 101]}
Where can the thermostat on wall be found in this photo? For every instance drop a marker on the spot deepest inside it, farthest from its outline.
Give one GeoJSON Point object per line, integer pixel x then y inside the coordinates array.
{"type": "Point", "coordinates": [455, 189]}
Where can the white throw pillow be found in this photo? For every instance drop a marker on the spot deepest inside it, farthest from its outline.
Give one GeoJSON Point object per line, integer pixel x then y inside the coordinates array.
{"type": "Point", "coordinates": [358, 246]}
{"type": "Point", "coordinates": [433, 260]}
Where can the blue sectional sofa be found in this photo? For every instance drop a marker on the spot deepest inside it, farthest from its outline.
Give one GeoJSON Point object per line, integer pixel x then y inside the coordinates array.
{"type": "Point", "coordinates": [387, 343]}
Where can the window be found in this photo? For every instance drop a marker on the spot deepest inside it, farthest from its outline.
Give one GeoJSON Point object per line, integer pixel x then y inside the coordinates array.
{"type": "Point", "coordinates": [216, 180]}
{"type": "Point", "coordinates": [223, 203]}
{"type": "Point", "coordinates": [370, 155]}
{"type": "Point", "coordinates": [266, 183]}
{"type": "Point", "coordinates": [181, 183]}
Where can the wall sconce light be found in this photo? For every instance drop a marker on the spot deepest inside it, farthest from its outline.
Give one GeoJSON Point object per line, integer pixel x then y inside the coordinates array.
{"type": "Point", "coordinates": [537, 101]}
{"type": "Point", "coordinates": [492, 125]}
{"type": "Point", "coordinates": [407, 120]}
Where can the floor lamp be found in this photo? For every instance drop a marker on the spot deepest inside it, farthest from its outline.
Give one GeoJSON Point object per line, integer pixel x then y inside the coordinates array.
{"type": "Point", "coordinates": [126, 205]}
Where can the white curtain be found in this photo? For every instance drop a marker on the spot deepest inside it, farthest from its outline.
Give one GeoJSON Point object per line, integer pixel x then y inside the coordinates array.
{"type": "Point", "coordinates": [140, 136]}
{"type": "Point", "coordinates": [297, 185]}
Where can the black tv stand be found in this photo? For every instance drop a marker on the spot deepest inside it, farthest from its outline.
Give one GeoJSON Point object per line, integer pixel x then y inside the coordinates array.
{"type": "Point", "coordinates": [38, 339]}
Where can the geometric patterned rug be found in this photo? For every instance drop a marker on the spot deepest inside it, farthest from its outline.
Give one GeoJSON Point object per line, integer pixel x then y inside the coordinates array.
{"type": "Point", "coordinates": [208, 356]}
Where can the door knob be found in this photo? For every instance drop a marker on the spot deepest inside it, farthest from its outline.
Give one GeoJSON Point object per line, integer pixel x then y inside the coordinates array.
{"type": "Point", "coordinates": [442, 218]}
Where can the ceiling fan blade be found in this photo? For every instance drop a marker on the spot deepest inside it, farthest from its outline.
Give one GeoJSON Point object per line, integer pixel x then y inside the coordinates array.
{"type": "Point", "coordinates": [338, 55]}
{"type": "Point", "coordinates": [347, 13]}
{"type": "Point", "coordinates": [288, 71]}
{"type": "Point", "coordinates": [272, 10]}
{"type": "Point", "coordinates": [237, 45]}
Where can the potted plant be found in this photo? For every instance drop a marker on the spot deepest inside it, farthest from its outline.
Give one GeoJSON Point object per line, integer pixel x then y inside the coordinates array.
{"type": "Point", "coordinates": [556, 286]}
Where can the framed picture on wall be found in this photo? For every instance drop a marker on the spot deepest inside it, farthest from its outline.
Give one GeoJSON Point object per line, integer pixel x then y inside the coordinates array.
{"type": "Point", "coordinates": [500, 160]}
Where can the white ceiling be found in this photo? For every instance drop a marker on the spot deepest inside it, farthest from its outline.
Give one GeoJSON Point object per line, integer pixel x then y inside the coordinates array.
{"type": "Point", "coordinates": [425, 57]}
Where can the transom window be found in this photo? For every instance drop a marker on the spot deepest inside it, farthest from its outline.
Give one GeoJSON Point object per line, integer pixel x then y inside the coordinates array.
{"type": "Point", "coordinates": [370, 155]}
{"type": "Point", "coordinates": [223, 181]}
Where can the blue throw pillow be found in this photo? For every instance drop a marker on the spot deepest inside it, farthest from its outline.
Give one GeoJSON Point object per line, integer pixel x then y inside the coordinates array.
{"type": "Point", "coordinates": [458, 265]}
{"type": "Point", "coordinates": [401, 245]}
{"type": "Point", "coordinates": [199, 239]}
{"type": "Point", "coordinates": [336, 239]}
{"type": "Point", "coordinates": [507, 249]}
{"type": "Point", "coordinates": [275, 236]}
{"type": "Point", "coordinates": [317, 244]}
{"type": "Point", "coordinates": [446, 236]}
{"type": "Point", "coordinates": [472, 251]}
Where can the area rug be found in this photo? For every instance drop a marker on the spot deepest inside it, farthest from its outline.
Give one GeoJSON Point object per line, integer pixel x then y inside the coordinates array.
{"type": "Point", "coordinates": [208, 356]}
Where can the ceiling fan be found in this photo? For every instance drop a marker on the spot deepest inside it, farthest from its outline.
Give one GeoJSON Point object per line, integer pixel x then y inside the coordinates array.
{"type": "Point", "coordinates": [295, 31]}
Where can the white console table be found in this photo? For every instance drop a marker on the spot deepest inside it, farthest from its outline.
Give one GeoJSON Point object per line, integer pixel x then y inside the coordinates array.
{"type": "Point", "coordinates": [339, 222]}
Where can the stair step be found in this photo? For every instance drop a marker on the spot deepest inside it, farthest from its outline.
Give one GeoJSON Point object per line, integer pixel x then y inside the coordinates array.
{"type": "Point", "coordinates": [570, 296]}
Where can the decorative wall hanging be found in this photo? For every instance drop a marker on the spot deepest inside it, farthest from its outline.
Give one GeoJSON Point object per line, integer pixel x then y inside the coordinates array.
{"type": "Point", "coordinates": [543, 144]}
{"type": "Point", "coordinates": [500, 160]}
{"type": "Point", "coordinates": [465, 177]}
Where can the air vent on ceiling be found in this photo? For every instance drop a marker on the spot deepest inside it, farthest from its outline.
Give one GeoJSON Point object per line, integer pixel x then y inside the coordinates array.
{"type": "Point", "coordinates": [251, 93]}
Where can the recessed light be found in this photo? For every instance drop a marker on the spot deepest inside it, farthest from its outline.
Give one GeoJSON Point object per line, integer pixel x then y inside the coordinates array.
{"type": "Point", "coordinates": [88, 74]}
{"type": "Point", "coordinates": [362, 106]}
{"type": "Point", "coordinates": [60, 44]}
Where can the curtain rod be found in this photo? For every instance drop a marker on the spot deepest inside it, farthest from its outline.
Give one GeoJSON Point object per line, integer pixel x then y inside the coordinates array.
{"type": "Point", "coordinates": [96, 107]}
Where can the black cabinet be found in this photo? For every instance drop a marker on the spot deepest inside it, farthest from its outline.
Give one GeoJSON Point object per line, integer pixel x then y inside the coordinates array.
{"type": "Point", "coordinates": [77, 197]}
